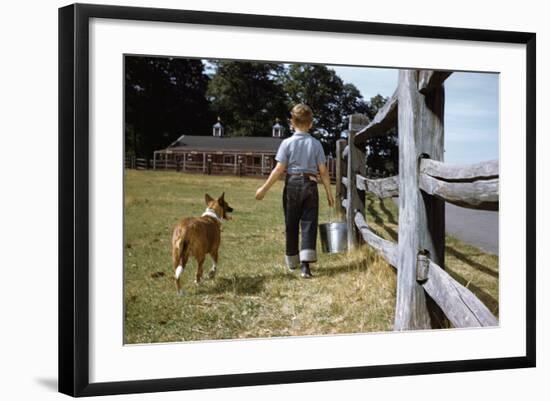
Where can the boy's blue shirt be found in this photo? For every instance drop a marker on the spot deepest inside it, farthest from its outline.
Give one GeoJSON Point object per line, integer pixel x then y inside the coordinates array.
{"type": "Point", "coordinates": [301, 153]}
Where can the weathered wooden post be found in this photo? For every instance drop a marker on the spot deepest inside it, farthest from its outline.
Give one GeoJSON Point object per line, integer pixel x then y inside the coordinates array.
{"type": "Point", "coordinates": [356, 165]}
{"type": "Point", "coordinates": [262, 157]}
{"type": "Point", "coordinates": [340, 168]}
{"type": "Point", "coordinates": [421, 217]}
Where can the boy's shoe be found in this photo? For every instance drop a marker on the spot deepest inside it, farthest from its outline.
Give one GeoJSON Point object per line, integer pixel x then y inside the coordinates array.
{"type": "Point", "coordinates": [306, 273]}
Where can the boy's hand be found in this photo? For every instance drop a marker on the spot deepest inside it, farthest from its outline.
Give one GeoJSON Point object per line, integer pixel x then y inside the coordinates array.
{"type": "Point", "coordinates": [330, 200]}
{"type": "Point", "coordinates": [260, 193]}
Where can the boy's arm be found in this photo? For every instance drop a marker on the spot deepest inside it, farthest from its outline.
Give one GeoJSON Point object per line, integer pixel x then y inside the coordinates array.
{"type": "Point", "coordinates": [276, 173]}
{"type": "Point", "coordinates": [325, 178]}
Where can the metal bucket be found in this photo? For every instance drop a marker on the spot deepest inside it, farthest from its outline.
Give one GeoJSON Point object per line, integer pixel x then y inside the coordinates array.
{"type": "Point", "coordinates": [334, 237]}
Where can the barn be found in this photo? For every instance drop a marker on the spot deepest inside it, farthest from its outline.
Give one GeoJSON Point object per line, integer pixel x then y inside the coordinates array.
{"type": "Point", "coordinates": [223, 154]}
{"type": "Point", "coordinates": [220, 155]}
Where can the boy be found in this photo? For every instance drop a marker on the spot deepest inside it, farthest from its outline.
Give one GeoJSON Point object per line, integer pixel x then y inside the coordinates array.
{"type": "Point", "coordinates": [301, 156]}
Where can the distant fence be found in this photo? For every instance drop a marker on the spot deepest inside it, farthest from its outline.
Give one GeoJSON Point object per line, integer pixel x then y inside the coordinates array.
{"type": "Point", "coordinates": [424, 183]}
{"type": "Point", "coordinates": [213, 164]}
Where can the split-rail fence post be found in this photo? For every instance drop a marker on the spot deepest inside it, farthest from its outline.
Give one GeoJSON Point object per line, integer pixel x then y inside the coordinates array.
{"type": "Point", "coordinates": [421, 216]}
{"type": "Point", "coordinates": [356, 165]}
{"type": "Point", "coordinates": [340, 170]}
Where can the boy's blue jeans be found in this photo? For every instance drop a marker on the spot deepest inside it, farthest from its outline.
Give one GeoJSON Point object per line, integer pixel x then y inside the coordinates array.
{"type": "Point", "coordinates": [301, 208]}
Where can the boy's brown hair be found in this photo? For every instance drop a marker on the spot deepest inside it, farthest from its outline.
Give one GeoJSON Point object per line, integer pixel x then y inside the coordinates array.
{"type": "Point", "coordinates": [301, 116]}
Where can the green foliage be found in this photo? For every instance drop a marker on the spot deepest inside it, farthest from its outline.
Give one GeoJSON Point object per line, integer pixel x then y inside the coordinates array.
{"type": "Point", "coordinates": [164, 98]}
{"type": "Point", "coordinates": [330, 98]}
{"type": "Point", "coordinates": [168, 97]}
{"type": "Point", "coordinates": [325, 92]}
{"type": "Point", "coordinates": [382, 151]}
{"type": "Point", "coordinates": [247, 96]}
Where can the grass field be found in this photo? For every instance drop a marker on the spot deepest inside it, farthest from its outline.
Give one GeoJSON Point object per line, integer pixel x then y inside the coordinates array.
{"type": "Point", "coordinates": [253, 294]}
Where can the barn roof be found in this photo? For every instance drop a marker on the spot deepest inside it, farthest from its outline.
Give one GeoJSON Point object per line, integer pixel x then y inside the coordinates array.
{"type": "Point", "coordinates": [226, 143]}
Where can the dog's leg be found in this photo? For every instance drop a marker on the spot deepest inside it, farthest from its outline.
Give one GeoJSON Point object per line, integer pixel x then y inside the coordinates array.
{"type": "Point", "coordinates": [179, 258]}
{"type": "Point", "coordinates": [177, 274]}
{"type": "Point", "coordinates": [200, 262]}
{"type": "Point", "coordinates": [212, 272]}
{"type": "Point", "coordinates": [178, 268]}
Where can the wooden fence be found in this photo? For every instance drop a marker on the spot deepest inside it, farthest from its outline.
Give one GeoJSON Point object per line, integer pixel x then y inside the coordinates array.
{"type": "Point", "coordinates": [205, 165]}
{"type": "Point", "coordinates": [424, 183]}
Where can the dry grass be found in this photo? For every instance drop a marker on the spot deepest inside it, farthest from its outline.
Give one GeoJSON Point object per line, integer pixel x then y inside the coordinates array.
{"type": "Point", "coordinates": [253, 294]}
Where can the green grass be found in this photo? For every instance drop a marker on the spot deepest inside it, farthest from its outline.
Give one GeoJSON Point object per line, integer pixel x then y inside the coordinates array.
{"type": "Point", "coordinates": [253, 294]}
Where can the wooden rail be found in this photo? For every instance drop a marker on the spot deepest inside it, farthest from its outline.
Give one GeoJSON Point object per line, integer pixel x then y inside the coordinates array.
{"type": "Point", "coordinates": [384, 120]}
{"type": "Point", "coordinates": [386, 248]}
{"type": "Point", "coordinates": [429, 79]}
{"type": "Point", "coordinates": [471, 172]}
{"type": "Point", "coordinates": [482, 195]}
{"type": "Point", "coordinates": [423, 185]}
{"type": "Point", "coordinates": [473, 186]}
{"type": "Point", "coordinates": [381, 187]}
{"type": "Point", "coordinates": [461, 306]}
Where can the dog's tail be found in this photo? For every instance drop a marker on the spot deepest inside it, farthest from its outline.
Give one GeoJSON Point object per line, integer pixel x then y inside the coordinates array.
{"type": "Point", "coordinates": [183, 248]}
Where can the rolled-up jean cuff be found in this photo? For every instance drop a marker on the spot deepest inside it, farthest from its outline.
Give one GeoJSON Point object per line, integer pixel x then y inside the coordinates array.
{"type": "Point", "coordinates": [308, 255]}
{"type": "Point", "coordinates": [292, 260]}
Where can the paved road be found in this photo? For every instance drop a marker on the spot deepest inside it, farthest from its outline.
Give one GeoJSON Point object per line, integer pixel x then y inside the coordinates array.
{"type": "Point", "coordinates": [476, 227]}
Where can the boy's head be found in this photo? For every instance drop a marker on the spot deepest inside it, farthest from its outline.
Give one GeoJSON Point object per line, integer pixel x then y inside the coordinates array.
{"type": "Point", "coordinates": [301, 117]}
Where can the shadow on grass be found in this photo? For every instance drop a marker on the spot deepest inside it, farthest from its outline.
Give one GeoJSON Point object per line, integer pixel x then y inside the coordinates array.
{"type": "Point", "coordinates": [359, 263]}
{"type": "Point", "coordinates": [452, 251]}
{"type": "Point", "coordinates": [476, 265]}
{"type": "Point", "coordinates": [485, 297]}
{"type": "Point", "coordinates": [338, 269]}
{"type": "Point", "coordinates": [379, 220]}
{"type": "Point", "coordinates": [372, 212]}
{"type": "Point", "coordinates": [242, 285]}
{"type": "Point", "coordinates": [387, 212]}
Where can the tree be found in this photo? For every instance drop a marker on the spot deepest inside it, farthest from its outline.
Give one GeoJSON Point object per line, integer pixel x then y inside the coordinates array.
{"type": "Point", "coordinates": [330, 98]}
{"type": "Point", "coordinates": [168, 97]}
{"type": "Point", "coordinates": [247, 96]}
{"type": "Point", "coordinates": [319, 88]}
{"type": "Point", "coordinates": [351, 102]}
{"type": "Point", "coordinates": [382, 151]}
{"type": "Point", "coordinates": [164, 98]}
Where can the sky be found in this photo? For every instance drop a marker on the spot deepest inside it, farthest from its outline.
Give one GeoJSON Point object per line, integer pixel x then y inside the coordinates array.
{"type": "Point", "coordinates": [471, 109]}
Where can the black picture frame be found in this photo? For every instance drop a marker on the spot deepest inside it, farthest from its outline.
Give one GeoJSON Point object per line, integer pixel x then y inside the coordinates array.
{"type": "Point", "coordinates": [74, 198]}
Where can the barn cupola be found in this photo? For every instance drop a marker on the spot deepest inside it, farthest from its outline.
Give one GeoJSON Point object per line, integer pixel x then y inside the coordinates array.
{"type": "Point", "coordinates": [278, 130]}
{"type": "Point", "coordinates": [217, 129]}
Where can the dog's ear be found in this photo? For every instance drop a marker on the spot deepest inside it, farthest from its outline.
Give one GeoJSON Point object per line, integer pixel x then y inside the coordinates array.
{"type": "Point", "coordinates": [208, 199]}
{"type": "Point", "coordinates": [220, 199]}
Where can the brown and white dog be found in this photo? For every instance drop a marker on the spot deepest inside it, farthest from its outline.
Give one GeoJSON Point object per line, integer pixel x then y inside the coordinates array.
{"type": "Point", "coordinates": [199, 236]}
